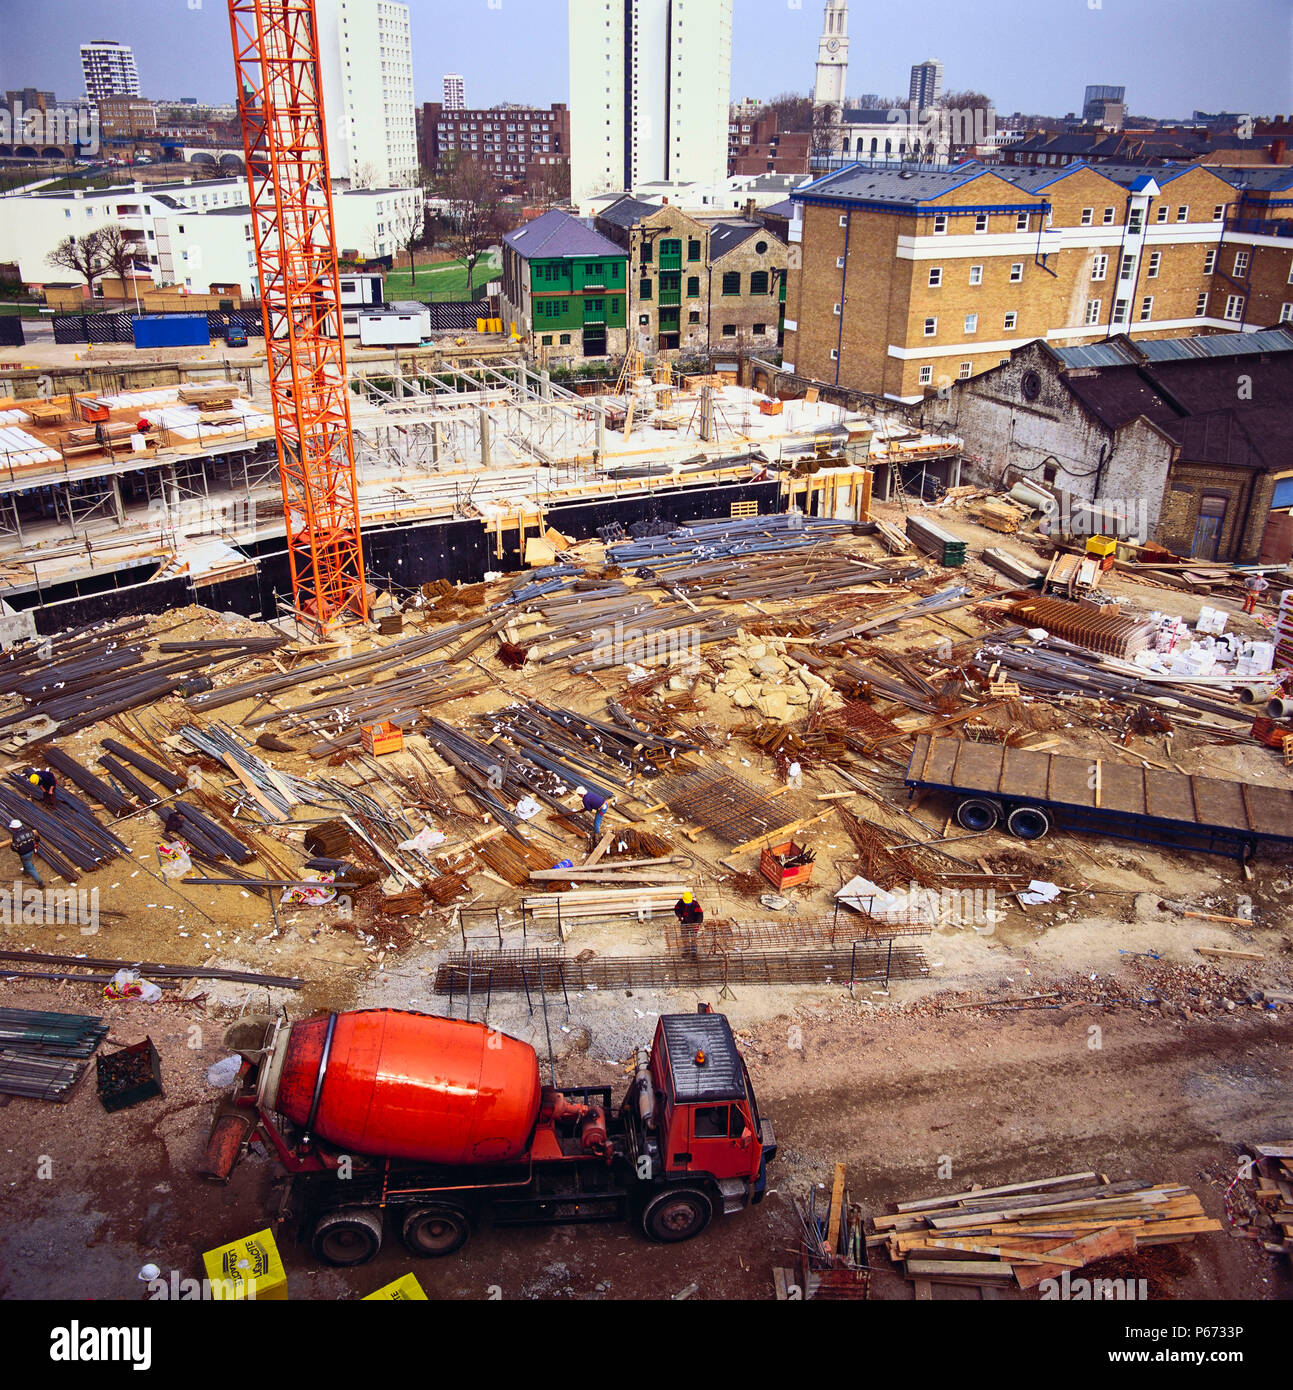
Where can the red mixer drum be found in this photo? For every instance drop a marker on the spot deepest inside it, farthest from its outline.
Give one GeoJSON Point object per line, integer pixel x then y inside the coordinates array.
{"type": "Point", "coordinates": [405, 1085]}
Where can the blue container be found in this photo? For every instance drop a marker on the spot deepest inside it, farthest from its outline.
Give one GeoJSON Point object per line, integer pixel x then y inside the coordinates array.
{"type": "Point", "coordinates": [171, 330]}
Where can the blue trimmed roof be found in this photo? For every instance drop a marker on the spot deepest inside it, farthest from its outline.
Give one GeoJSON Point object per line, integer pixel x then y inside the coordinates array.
{"type": "Point", "coordinates": [862, 183]}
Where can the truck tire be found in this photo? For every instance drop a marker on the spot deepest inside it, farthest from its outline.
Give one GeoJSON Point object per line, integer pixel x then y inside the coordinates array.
{"type": "Point", "coordinates": [977, 813]}
{"type": "Point", "coordinates": [676, 1214]}
{"type": "Point", "coordinates": [348, 1236]}
{"type": "Point", "coordinates": [1028, 823]}
{"type": "Point", "coordinates": [435, 1230]}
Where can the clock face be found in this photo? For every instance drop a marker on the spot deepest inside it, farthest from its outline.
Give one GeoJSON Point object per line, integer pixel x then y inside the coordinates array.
{"type": "Point", "coordinates": [833, 46]}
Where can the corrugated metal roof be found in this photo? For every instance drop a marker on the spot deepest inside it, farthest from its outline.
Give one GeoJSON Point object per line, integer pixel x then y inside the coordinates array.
{"type": "Point", "coordinates": [1116, 352]}
{"type": "Point", "coordinates": [720, 1076]}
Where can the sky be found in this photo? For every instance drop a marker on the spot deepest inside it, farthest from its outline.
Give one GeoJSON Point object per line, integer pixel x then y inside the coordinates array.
{"type": "Point", "coordinates": [1035, 56]}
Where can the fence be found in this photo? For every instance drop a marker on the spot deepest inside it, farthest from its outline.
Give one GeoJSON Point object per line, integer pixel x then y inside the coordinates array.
{"type": "Point", "coordinates": [458, 317]}
{"type": "Point", "coordinates": [11, 334]}
{"type": "Point", "coordinates": [119, 327]}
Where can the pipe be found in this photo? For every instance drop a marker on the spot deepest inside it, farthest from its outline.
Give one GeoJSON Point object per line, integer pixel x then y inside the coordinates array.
{"type": "Point", "coordinates": [1278, 707]}
{"type": "Point", "coordinates": [1257, 694]}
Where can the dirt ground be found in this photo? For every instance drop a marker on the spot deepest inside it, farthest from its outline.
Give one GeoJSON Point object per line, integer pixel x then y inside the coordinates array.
{"type": "Point", "coordinates": [992, 1099]}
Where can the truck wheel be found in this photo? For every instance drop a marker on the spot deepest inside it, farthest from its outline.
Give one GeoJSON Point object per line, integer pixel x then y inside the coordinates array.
{"type": "Point", "coordinates": [677, 1215]}
{"type": "Point", "coordinates": [1028, 823]}
{"type": "Point", "coordinates": [978, 814]}
{"type": "Point", "coordinates": [350, 1236]}
{"type": "Point", "coordinates": [435, 1230]}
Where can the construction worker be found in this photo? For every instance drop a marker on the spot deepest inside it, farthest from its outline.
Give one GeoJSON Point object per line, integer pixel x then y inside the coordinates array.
{"type": "Point", "coordinates": [42, 779]}
{"type": "Point", "coordinates": [597, 803]}
{"type": "Point", "coordinates": [25, 842]}
{"type": "Point", "coordinates": [1254, 587]}
{"type": "Point", "coordinates": [689, 913]}
{"type": "Point", "coordinates": [175, 826]}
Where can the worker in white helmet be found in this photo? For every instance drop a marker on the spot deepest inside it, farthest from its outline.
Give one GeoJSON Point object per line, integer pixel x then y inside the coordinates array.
{"type": "Point", "coordinates": [25, 842]}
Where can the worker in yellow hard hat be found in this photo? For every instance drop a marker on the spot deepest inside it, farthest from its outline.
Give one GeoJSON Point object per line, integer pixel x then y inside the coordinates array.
{"type": "Point", "coordinates": [42, 780]}
{"type": "Point", "coordinates": [690, 915]}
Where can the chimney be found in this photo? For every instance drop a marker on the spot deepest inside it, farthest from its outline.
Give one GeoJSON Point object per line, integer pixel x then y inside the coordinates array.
{"type": "Point", "coordinates": [1277, 150]}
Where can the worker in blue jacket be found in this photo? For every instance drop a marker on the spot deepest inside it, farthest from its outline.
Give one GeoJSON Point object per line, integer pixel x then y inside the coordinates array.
{"type": "Point", "coordinates": [597, 803]}
{"type": "Point", "coordinates": [25, 842]}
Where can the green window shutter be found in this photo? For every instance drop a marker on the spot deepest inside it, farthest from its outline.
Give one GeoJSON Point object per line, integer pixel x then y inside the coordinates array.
{"type": "Point", "coordinates": [759, 282]}
{"type": "Point", "coordinates": [732, 282]}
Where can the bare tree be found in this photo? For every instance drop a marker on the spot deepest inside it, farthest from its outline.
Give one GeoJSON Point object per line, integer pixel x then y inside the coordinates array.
{"type": "Point", "coordinates": [825, 139]}
{"type": "Point", "coordinates": [408, 227]}
{"type": "Point", "coordinates": [550, 186]}
{"type": "Point", "coordinates": [793, 112]}
{"type": "Point", "coordinates": [476, 213]}
{"type": "Point", "coordinates": [118, 250]}
{"type": "Point", "coordinates": [82, 254]}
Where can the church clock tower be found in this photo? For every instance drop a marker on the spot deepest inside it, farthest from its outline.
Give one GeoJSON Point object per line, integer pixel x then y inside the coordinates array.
{"type": "Point", "coordinates": [833, 56]}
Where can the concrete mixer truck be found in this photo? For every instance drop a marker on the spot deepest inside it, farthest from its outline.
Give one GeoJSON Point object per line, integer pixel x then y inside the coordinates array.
{"type": "Point", "coordinates": [433, 1123]}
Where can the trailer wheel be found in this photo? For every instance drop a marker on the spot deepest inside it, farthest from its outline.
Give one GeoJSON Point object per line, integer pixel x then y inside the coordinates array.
{"type": "Point", "coordinates": [978, 814]}
{"type": "Point", "coordinates": [677, 1215]}
{"type": "Point", "coordinates": [350, 1236]}
{"type": "Point", "coordinates": [438, 1230]}
{"type": "Point", "coordinates": [1028, 823]}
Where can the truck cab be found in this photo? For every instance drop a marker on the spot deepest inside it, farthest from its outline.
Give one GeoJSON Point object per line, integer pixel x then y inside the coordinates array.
{"type": "Point", "coordinates": [706, 1136]}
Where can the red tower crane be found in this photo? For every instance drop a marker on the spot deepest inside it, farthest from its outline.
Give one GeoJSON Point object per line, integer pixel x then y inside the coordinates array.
{"type": "Point", "coordinates": [280, 109]}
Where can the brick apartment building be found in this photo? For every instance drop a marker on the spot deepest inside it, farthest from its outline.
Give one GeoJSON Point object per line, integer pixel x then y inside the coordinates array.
{"type": "Point", "coordinates": [697, 284]}
{"type": "Point", "coordinates": [520, 144]}
{"type": "Point", "coordinates": [910, 280]}
{"type": "Point", "coordinates": [756, 146]}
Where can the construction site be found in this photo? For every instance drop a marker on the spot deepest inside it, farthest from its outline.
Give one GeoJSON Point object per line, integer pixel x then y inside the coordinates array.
{"type": "Point", "coordinates": [673, 842]}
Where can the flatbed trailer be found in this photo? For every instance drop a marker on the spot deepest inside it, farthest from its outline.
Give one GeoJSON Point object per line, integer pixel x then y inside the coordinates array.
{"type": "Point", "coordinates": [1029, 792]}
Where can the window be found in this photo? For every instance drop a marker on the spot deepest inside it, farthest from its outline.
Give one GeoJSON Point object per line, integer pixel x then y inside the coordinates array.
{"type": "Point", "coordinates": [758, 282]}
{"type": "Point", "coordinates": [1286, 313]}
{"type": "Point", "coordinates": [1234, 307]}
{"type": "Point", "coordinates": [547, 340]}
{"type": "Point", "coordinates": [565, 340]}
{"type": "Point", "coordinates": [1016, 272]}
{"type": "Point", "coordinates": [940, 224]}
{"type": "Point", "coordinates": [1108, 216]}
{"type": "Point", "coordinates": [1127, 266]}
{"type": "Point", "coordinates": [844, 221]}
{"type": "Point", "coordinates": [839, 262]}
{"type": "Point", "coordinates": [980, 221]}
{"type": "Point", "coordinates": [1012, 318]}
{"type": "Point", "coordinates": [644, 289]}
{"type": "Point", "coordinates": [1134, 222]}
{"type": "Point", "coordinates": [971, 323]}
{"type": "Point", "coordinates": [644, 319]}
{"type": "Point", "coordinates": [966, 369]}
{"type": "Point", "coordinates": [1209, 262]}
{"type": "Point", "coordinates": [835, 354]}
{"type": "Point", "coordinates": [732, 282]}
{"type": "Point", "coordinates": [1160, 213]}
{"type": "Point", "coordinates": [1183, 213]}
{"type": "Point", "coordinates": [1147, 308]}
{"type": "Point", "coordinates": [693, 249]}
{"type": "Point", "coordinates": [931, 328]}
{"type": "Point", "coordinates": [646, 253]}
{"type": "Point", "coordinates": [1155, 260]}
{"type": "Point", "coordinates": [1021, 222]}
{"type": "Point", "coordinates": [926, 375]}
{"type": "Point", "coordinates": [693, 287]}
{"type": "Point", "coordinates": [976, 275]}
{"type": "Point", "coordinates": [935, 276]}
{"type": "Point", "coordinates": [729, 330]}
{"type": "Point", "coordinates": [1092, 311]}
{"type": "Point", "coordinates": [1120, 307]}
{"type": "Point", "coordinates": [693, 316]}
{"type": "Point", "coordinates": [1291, 272]}
{"type": "Point", "coordinates": [760, 329]}
{"type": "Point", "coordinates": [1241, 263]}
{"type": "Point", "coordinates": [1218, 212]}
{"type": "Point", "coordinates": [1099, 266]}
{"type": "Point", "coordinates": [1201, 306]}
{"type": "Point", "coordinates": [839, 310]}
{"type": "Point", "coordinates": [1088, 216]}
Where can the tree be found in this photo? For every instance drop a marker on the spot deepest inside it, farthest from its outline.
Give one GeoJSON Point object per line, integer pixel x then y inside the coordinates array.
{"type": "Point", "coordinates": [793, 112]}
{"type": "Point", "coordinates": [475, 209]}
{"type": "Point", "coordinates": [408, 228]}
{"type": "Point", "coordinates": [550, 185]}
{"type": "Point", "coordinates": [965, 116]}
{"type": "Point", "coordinates": [825, 139]}
{"type": "Point", "coordinates": [118, 250]}
{"type": "Point", "coordinates": [82, 254]}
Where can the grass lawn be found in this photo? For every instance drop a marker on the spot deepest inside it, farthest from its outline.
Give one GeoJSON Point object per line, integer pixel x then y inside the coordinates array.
{"type": "Point", "coordinates": [27, 311]}
{"type": "Point", "coordinates": [446, 280]}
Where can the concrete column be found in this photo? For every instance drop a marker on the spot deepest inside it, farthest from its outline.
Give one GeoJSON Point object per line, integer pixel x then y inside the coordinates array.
{"type": "Point", "coordinates": [484, 437]}
{"type": "Point", "coordinates": [545, 385]}
{"type": "Point", "coordinates": [116, 499]}
{"type": "Point", "coordinates": [601, 435]}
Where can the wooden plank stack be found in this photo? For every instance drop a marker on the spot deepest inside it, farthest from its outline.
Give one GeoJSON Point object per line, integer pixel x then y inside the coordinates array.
{"type": "Point", "coordinates": [1022, 1233]}
{"type": "Point", "coordinates": [1273, 1175]}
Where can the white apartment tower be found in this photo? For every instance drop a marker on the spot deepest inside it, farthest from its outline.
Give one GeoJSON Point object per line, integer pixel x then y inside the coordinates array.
{"type": "Point", "coordinates": [650, 87]}
{"type": "Point", "coordinates": [926, 83]}
{"type": "Point", "coordinates": [109, 69]}
{"type": "Point", "coordinates": [833, 57]}
{"type": "Point", "coordinates": [366, 71]}
{"type": "Point", "coordinates": [455, 92]}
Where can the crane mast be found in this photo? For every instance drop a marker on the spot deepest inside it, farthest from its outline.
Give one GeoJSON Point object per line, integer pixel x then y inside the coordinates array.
{"type": "Point", "coordinates": [280, 109]}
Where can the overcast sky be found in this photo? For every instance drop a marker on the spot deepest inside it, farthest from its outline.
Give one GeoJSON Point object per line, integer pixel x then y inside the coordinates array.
{"type": "Point", "coordinates": [1173, 56]}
